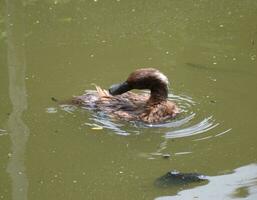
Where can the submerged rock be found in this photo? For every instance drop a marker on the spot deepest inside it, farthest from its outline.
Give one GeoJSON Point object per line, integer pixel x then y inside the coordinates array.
{"type": "Point", "coordinates": [178, 178]}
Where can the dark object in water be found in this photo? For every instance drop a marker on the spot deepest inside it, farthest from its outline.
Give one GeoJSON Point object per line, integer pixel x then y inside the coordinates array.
{"type": "Point", "coordinates": [166, 155]}
{"type": "Point", "coordinates": [177, 178]}
{"type": "Point", "coordinates": [54, 99]}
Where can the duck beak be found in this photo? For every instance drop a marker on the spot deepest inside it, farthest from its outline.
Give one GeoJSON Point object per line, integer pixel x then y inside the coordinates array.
{"type": "Point", "coordinates": [120, 88]}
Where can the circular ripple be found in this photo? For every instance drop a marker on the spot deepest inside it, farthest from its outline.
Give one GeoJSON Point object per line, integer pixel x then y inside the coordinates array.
{"type": "Point", "coordinates": [188, 123]}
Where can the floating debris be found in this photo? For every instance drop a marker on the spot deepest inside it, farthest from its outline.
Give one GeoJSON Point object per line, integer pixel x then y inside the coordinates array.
{"type": "Point", "coordinates": [97, 128]}
{"type": "Point", "coordinates": [94, 126]}
{"type": "Point", "coordinates": [166, 155]}
{"type": "Point", "coordinates": [54, 99]}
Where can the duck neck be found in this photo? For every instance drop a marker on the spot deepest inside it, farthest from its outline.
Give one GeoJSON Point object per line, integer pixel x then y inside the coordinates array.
{"type": "Point", "coordinates": [158, 94]}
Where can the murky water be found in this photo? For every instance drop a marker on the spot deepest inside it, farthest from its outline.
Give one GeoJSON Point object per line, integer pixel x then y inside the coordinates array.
{"type": "Point", "coordinates": [59, 48]}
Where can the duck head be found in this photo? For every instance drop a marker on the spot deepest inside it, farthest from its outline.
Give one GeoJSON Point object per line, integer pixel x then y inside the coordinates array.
{"type": "Point", "coordinates": [145, 78]}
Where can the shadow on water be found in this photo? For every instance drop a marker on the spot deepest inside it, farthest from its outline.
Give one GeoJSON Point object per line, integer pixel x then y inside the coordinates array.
{"type": "Point", "coordinates": [241, 183]}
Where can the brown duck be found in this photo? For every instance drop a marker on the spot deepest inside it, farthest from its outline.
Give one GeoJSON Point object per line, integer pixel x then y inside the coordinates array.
{"type": "Point", "coordinates": [119, 103]}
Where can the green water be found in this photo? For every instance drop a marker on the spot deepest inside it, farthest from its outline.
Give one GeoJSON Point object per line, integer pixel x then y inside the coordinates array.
{"type": "Point", "coordinates": [207, 49]}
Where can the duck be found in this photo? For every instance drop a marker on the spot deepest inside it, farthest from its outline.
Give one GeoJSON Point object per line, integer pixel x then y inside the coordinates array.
{"type": "Point", "coordinates": [120, 102]}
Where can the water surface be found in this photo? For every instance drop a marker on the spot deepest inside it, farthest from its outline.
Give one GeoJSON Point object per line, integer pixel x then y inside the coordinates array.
{"type": "Point", "coordinates": [59, 48]}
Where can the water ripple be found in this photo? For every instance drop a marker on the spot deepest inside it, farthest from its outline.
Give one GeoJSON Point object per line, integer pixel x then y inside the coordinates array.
{"type": "Point", "coordinates": [190, 122]}
{"type": "Point", "coordinates": [203, 126]}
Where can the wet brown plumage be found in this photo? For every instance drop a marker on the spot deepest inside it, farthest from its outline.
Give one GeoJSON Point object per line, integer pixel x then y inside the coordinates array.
{"type": "Point", "coordinates": [120, 103]}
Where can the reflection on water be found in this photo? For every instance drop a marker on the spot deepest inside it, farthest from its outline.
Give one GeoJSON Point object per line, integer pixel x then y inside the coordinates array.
{"type": "Point", "coordinates": [19, 132]}
{"type": "Point", "coordinates": [242, 183]}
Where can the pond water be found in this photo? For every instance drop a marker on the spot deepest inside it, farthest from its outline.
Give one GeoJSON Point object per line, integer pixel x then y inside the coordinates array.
{"type": "Point", "coordinates": [59, 48]}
